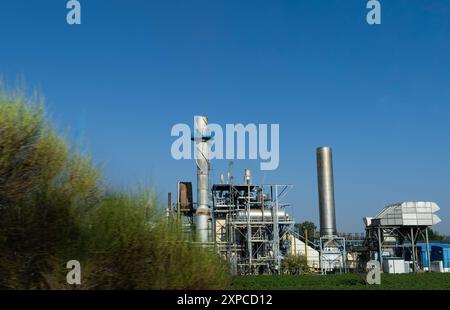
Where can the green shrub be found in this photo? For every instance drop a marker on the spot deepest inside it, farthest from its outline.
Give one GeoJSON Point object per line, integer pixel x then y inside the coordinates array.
{"type": "Point", "coordinates": [42, 183]}
{"type": "Point", "coordinates": [53, 209]}
{"type": "Point", "coordinates": [134, 248]}
{"type": "Point", "coordinates": [295, 265]}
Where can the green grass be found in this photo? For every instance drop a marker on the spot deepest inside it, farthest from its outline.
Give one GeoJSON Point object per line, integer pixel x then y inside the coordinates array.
{"type": "Point", "coordinates": [426, 281]}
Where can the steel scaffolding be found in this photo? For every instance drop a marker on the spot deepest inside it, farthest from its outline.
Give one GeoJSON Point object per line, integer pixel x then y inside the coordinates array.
{"type": "Point", "coordinates": [396, 240]}
{"type": "Point", "coordinates": [248, 224]}
{"type": "Point", "coordinates": [333, 254]}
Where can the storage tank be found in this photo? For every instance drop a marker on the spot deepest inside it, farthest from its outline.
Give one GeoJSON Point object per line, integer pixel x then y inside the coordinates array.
{"type": "Point", "coordinates": [326, 191]}
{"type": "Point", "coordinates": [263, 215]}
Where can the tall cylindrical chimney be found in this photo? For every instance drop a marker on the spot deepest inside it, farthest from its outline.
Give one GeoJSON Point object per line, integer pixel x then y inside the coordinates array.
{"type": "Point", "coordinates": [201, 138]}
{"type": "Point", "coordinates": [326, 191]}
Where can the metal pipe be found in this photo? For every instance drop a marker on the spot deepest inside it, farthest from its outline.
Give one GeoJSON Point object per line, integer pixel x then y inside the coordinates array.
{"type": "Point", "coordinates": [306, 246]}
{"type": "Point", "coordinates": [249, 231]}
{"type": "Point", "coordinates": [248, 176]}
{"type": "Point", "coordinates": [169, 205]}
{"type": "Point", "coordinates": [326, 192]}
{"type": "Point", "coordinates": [178, 204]}
{"type": "Point", "coordinates": [201, 138]}
{"type": "Point", "coordinates": [276, 234]}
{"type": "Point", "coordinates": [291, 244]}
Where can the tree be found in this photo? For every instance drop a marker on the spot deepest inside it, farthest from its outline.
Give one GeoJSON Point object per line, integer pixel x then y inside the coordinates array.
{"type": "Point", "coordinates": [432, 236]}
{"type": "Point", "coordinates": [309, 226]}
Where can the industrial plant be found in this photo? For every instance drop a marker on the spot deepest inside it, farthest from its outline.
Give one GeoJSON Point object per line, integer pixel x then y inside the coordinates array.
{"type": "Point", "coordinates": [249, 225]}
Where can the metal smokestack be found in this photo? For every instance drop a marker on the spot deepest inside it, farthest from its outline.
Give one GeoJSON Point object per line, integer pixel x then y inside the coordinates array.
{"type": "Point", "coordinates": [326, 191]}
{"type": "Point", "coordinates": [201, 138]}
{"type": "Point", "coordinates": [248, 177]}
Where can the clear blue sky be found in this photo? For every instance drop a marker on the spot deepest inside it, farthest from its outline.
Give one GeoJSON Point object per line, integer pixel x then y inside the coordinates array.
{"type": "Point", "coordinates": [379, 95]}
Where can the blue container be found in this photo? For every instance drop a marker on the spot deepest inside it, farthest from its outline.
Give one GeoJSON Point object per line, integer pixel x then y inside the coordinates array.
{"type": "Point", "coordinates": [438, 251]}
{"type": "Point", "coordinates": [442, 253]}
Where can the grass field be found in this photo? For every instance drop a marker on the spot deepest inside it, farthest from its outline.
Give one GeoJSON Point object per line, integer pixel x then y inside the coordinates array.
{"type": "Point", "coordinates": [426, 281]}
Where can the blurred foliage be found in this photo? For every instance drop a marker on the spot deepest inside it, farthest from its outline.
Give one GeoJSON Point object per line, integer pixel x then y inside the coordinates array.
{"type": "Point", "coordinates": [53, 208]}
{"type": "Point", "coordinates": [133, 251]}
{"type": "Point", "coordinates": [432, 236]}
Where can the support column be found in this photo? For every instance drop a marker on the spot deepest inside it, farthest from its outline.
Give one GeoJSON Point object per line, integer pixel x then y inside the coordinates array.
{"type": "Point", "coordinates": [413, 250]}
{"type": "Point", "coordinates": [276, 233]}
{"type": "Point", "coordinates": [322, 270]}
{"type": "Point", "coordinates": [428, 249]}
{"type": "Point", "coordinates": [380, 256]}
{"type": "Point", "coordinates": [249, 231]}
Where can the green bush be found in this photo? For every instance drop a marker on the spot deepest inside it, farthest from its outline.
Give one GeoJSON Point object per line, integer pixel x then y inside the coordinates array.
{"type": "Point", "coordinates": [42, 185]}
{"type": "Point", "coordinates": [295, 265]}
{"type": "Point", "coordinates": [132, 250]}
{"type": "Point", "coordinates": [53, 208]}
